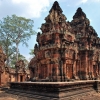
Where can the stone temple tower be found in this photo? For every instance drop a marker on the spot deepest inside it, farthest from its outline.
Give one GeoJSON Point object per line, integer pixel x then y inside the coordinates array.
{"type": "Point", "coordinates": [88, 43]}
{"type": "Point", "coordinates": [56, 49]}
{"type": "Point", "coordinates": [66, 50]}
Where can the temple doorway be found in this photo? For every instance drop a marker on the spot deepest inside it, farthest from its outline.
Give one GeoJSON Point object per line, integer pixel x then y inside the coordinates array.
{"type": "Point", "coordinates": [95, 70]}
{"type": "Point", "coordinates": [21, 78]}
{"type": "Point", "coordinates": [70, 71]}
{"type": "Point", "coordinates": [45, 71]}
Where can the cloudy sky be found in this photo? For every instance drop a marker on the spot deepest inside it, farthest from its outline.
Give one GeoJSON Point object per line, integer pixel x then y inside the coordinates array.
{"type": "Point", "coordinates": [39, 9]}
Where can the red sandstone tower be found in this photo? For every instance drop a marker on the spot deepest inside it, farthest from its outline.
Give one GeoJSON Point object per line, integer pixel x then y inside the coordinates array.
{"type": "Point", "coordinates": [88, 46]}
{"type": "Point", "coordinates": [65, 50]}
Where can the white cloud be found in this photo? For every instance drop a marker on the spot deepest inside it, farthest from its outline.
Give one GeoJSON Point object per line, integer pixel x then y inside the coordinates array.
{"type": "Point", "coordinates": [95, 0]}
{"type": "Point", "coordinates": [33, 8]}
{"type": "Point", "coordinates": [84, 1]}
{"type": "Point", "coordinates": [16, 1]}
{"type": "Point", "coordinates": [27, 8]}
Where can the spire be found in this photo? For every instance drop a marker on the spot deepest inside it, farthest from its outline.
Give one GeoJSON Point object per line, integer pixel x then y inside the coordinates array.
{"type": "Point", "coordinates": [55, 14]}
{"type": "Point", "coordinates": [56, 7]}
{"type": "Point", "coordinates": [79, 13]}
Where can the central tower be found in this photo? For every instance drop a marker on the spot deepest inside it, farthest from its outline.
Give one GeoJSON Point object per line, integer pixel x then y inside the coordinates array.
{"type": "Point", "coordinates": [55, 52]}
{"type": "Point", "coordinates": [66, 50]}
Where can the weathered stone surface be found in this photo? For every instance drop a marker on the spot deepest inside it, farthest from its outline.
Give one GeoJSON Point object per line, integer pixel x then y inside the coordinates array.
{"type": "Point", "coordinates": [4, 76]}
{"type": "Point", "coordinates": [66, 50]}
{"type": "Point", "coordinates": [2, 60]}
{"type": "Point", "coordinates": [20, 66]}
{"type": "Point", "coordinates": [55, 90]}
{"type": "Point", "coordinates": [20, 73]}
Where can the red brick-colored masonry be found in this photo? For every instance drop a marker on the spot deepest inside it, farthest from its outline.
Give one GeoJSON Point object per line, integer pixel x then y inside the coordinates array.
{"type": "Point", "coordinates": [4, 72]}
{"type": "Point", "coordinates": [66, 50]}
{"type": "Point", "coordinates": [54, 90]}
{"type": "Point", "coordinates": [8, 74]}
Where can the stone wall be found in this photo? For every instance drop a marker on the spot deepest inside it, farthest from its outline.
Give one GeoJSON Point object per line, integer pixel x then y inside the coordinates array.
{"type": "Point", "coordinates": [55, 90]}
{"type": "Point", "coordinates": [66, 50]}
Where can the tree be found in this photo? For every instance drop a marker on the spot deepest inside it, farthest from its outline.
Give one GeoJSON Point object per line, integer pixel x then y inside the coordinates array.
{"type": "Point", "coordinates": [31, 52]}
{"type": "Point", "coordinates": [20, 57]}
{"type": "Point", "coordinates": [16, 30]}
{"type": "Point", "coordinates": [6, 43]}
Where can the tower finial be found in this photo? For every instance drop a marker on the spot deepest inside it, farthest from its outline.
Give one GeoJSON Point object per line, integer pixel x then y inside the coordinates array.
{"type": "Point", "coordinates": [56, 7]}
{"type": "Point", "coordinates": [79, 13]}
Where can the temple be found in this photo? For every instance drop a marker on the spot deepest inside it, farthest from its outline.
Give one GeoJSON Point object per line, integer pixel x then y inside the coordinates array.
{"type": "Point", "coordinates": [8, 74]}
{"type": "Point", "coordinates": [22, 74]}
{"type": "Point", "coordinates": [4, 77]}
{"type": "Point", "coordinates": [66, 50]}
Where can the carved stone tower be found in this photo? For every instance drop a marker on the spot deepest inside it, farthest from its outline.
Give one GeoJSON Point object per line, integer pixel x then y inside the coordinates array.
{"type": "Point", "coordinates": [66, 50]}
{"type": "Point", "coordinates": [88, 46]}
{"type": "Point", "coordinates": [55, 51]}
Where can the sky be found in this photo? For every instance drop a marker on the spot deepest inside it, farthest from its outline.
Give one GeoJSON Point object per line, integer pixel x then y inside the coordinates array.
{"type": "Point", "coordinates": [37, 10]}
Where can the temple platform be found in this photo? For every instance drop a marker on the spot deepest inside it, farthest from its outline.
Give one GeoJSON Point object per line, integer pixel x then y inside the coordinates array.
{"type": "Point", "coordinates": [54, 90]}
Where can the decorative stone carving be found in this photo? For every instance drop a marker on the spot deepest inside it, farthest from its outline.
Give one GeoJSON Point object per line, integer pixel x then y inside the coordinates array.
{"type": "Point", "coordinates": [66, 50]}
{"type": "Point", "coordinates": [2, 60]}
{"type": "Point", "coordinates": [20, 66]}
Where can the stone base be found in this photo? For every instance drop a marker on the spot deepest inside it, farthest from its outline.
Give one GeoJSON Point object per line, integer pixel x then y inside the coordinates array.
{"type": "Point", "coordinates": [55, 90]}
{"type": "Point", "coordinates": [60, 79]}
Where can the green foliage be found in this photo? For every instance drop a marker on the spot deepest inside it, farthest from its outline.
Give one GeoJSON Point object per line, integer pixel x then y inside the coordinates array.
{"type": "Point", "coordinates": [31, 52]}
{"type": "Point", "coordinates": [13, 31]}
{"type": "Point", "coordinates": [20, 57]}
{"type": "Point", "coordinates": [20, 29]}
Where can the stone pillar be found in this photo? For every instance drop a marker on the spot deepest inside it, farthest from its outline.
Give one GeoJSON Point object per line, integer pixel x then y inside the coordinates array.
{"type": "Point", "coordinates": [51, 71]}
{"type": "Point", "coordinates": [62, 74]}
{"type": "Point", "coordinates": [48, 69]}
{"type": "Point", "coordinates": [99, 68]}
{"type": "Point", "coordinates": [24, 76]}
{"type": "Point", "coordinates": [18, 78]}
{"type": "Point", "coordinates": [74, 68]}
{"type": "Point", "coordinates": [86, 63]}
{"type": "Point", "coordinates": [57, 70]}
{"type": "Point", "coordinates": [80, 68]}
{"type": "Point", "coordinates": [64, 69]}
{"type": "Point", "coordinates": [91, 68]}
{"type": "Point", "coordinates": [38, 71]}
{"type": "Point", "coordinates": [89, 63]}
{"type": "Point", "coordinates": [0, 78]}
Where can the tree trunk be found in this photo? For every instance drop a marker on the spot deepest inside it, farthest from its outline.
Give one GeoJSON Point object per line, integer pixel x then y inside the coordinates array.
{"type": "Point", "coordinates": [16, 51]}
{"type": "Point", "coordinates": [7, 63]}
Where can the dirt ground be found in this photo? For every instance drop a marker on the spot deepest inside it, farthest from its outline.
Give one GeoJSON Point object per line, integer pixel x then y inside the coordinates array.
{"type": "Point", "coordinates": [87, 96]}
{"type": "Point", "coordinates": [6, 96]}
